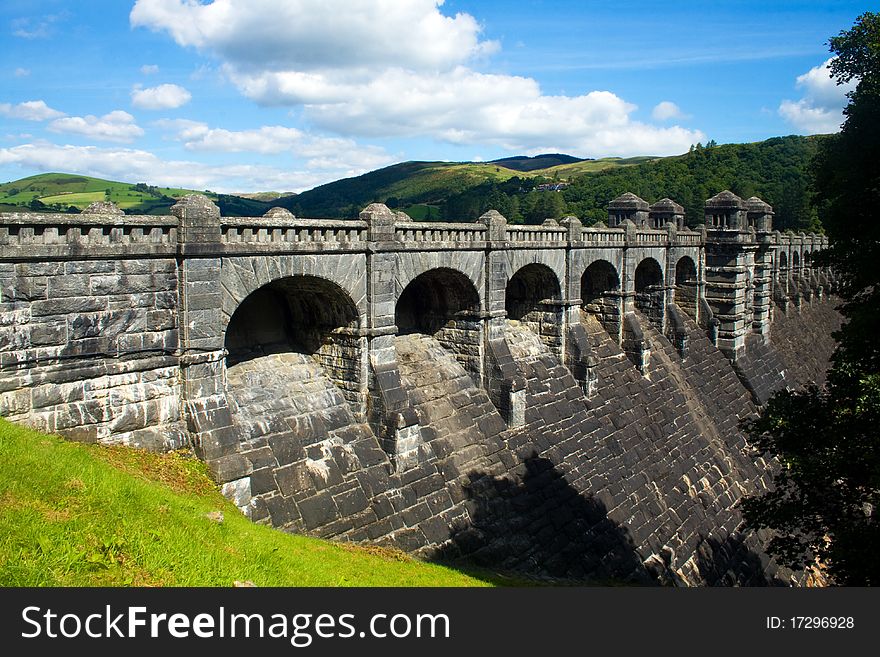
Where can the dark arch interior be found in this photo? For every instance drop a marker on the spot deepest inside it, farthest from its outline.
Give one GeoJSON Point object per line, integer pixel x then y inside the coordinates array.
{"type": "Point", "coordinates": [599, 279]}
{"type": "Point", "coordinates": [292, 314]}
{"type": "Point", "coordinates": [783, 259]}
{"type": "Point", "coordinates": [528, 289]}
{"type": "Point", "coordinates": [648, 275]}
{"type": "Point", "coordinates": [599, 285]}
{"type": "Point", "coordinates": [532, 297]}
{"type": "Point", "coordinates": [302, 314]}
{"type": "Point", "coordinates": [434, 299]}
{"type": "Point", "coordinates": [686, 285]}
{"type": "Point", "coordinates": [445, 304]}
{"type": "Point", "coordinates": [649, 290]}
{"type": "Point", "coordinates": [795, 259]}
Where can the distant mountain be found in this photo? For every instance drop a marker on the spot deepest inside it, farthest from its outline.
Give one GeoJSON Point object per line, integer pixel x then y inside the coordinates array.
{"type": "Point", "coordinates": [526, 163]}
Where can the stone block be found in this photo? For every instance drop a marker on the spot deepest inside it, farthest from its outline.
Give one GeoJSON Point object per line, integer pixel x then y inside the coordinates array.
{"type": "Point", "coordinates": [318, 510]}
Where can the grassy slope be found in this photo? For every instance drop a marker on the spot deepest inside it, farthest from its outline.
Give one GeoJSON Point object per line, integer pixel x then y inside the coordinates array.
{"type": "Point", "coordinates": [569, 171]}
{"type": "Point", "coordinates": [79, 191]}
{"type": "Point", "coordinates": [85, 515]}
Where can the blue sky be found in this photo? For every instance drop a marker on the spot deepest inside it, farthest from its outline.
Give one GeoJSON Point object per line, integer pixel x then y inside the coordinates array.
{"type": "Point", "coordinates": [248, 95]}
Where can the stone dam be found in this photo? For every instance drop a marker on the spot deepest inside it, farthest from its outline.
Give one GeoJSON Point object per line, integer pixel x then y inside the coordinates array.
{"type": "Point", "coordinates": [554, 400]}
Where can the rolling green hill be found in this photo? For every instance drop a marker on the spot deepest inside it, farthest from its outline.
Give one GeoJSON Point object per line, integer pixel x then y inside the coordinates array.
{"type": "Point", "coordinates": [420, 185]}
{"type": "Point", "coordinates": [777, 170]}
{"type": "Point", "coordinates": [59, 192]}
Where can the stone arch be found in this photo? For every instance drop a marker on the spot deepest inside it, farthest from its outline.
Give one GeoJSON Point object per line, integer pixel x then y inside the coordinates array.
{"type": "Point", "coordinates": [686, 283]}
{"type": "Point", "coordinates": [303, 314]}
{"type": "Point", "coordinates": [795, 260]}
{"type": "Point", "coordinates": [783, 260]}
{"type": "Point", "coordinates": [241, 276]}
{"type": "Point", "coordinates": [600, 294]}
{"type": "Point", "coordinates": [533, 296]}
{"type": "Point", "coordinates": [649, 290]}
{"type": "Point", "coordinates": [445, 304]}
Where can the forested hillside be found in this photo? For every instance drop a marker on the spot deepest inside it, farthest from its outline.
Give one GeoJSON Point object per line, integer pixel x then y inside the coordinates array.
{"type": "Point", "coordinates": [777, 170]}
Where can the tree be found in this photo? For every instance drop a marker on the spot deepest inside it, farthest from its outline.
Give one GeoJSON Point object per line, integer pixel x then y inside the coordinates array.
{"type": "Point", "coordinates": [824, 505]}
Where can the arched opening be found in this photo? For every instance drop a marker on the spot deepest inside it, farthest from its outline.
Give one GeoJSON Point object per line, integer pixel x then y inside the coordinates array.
{"type": "Point", "coordinates": [600, 290]}
{"type": "Point", "coordinates": [783, 261]}
{"type": "Point", "coordinates": [795, 260]}
{"type": "Point", "coordinates": [533, 298]}
{"type": "Point", "coordinates": [306, 315]}
{"type": "Point", "coordinates": [649, 290]}
{"type": "Point", "coordinates": [445, 304]}
{"type": "Point", "coordinates": [686, 285]}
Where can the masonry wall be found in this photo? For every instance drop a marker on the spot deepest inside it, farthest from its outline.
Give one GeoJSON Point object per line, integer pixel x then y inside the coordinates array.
{"type": "Point", "coordinates": [87, 349]}
{"type": "Point", "coordinates": [115, 333]}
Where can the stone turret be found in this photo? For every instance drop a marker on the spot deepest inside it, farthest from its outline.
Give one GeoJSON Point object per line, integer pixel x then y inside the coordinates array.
{"type": "Point", "coordinates": [726, 211]}
{"type": "Point", "coordinates": [666, 211]}
{"type": "Point", "coordinates": [730, 273]}
{"type": "Point", "coordinates": [628, 207]}
{"type": "Point", "coordinates": [760, 215]}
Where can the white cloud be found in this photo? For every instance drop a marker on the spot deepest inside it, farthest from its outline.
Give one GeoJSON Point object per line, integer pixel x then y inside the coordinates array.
{"type": "Point", "coordinates": [821, 108]}
{"type": "Point", "coordinates": [666, 110]}
{"type": "Point", "coordinates": [31, 110]}
{"type": "Point", "coordinates": [21, 72]}
{"type": "Point", "coordinates": [318, 34]}
{"type": "Point", "coordinates": [37, 28]}
{"type": "Point", "coordinates": [463, 106]}
{"type": "Point", "coordinates": [138, 165]}
{"type": "Point", "coordinates": [116, 126]}
{"type": "Point", "coordinates": [344, 155]}
{"type": "Point", "coordinates": [149, 69]}
{"type": "Point", "coordinates": [384, 68]}
{"type": "Point", "coordinates": [165, 96]}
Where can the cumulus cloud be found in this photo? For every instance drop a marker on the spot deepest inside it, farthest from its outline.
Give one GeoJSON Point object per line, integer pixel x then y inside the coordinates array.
{"type": "Point", "coordinates": [165, 96]}
{"type": "Point", "coordinates": [149, 69]}
{"type": "Point", "coordinates": [116, 126]}
{"type": "Point", "coordinates": [21, 72]}
{"type": "Point", "coordinates": [821, 108]}
{"type": "Point", "coordinates": [318, 34]}
{"type": "Point", "coordinates": [463, 106]}
{"type": "Point", "coordinates": [31, 110]}
{"type": "Point", "coordinates": [666, 110]}
{"type": "Point", "coordinates": [344, 155]}
{"type": "Point", "coordinates": [133, 164]}
{"type": "Point", "coordinates": [388, 68]}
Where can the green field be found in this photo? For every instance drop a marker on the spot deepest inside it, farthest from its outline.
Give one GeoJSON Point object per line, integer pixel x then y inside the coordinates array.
{"type": "Point", "coordinates": [58, 191]}
{"type": "Point", "coordinates": [87, 515]}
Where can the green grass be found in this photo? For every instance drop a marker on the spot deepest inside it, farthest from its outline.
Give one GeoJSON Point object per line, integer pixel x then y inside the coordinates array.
{"type": "Point", "coordinates": [87, 515]}
{"type": "Point", "coordinates": [79, 191]}
{"type": "Point", "coordinates": [575, 169]}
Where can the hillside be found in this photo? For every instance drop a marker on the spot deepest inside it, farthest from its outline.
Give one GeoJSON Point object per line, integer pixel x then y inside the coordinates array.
{"type": "Point", "coordinates": [87, 515]}
{"type": "Point", "coordinates": [63, 192]}
{"type": "Point", "coordinates": [777, 170]}
{"type": "Point", "coordinates": [421, 188]}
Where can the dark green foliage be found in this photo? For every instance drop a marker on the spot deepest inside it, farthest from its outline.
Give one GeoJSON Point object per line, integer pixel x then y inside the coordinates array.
{"type": "Point", "coordinates": [525, 163]}
{"type": "Point", "coordinates": [825, 504]}
{"type": "Point", "coordinates": [776, 170]}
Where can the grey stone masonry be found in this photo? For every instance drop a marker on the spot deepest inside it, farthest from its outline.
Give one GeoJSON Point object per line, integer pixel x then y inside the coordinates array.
{"type": "Point", "coordinates": [458, 390]}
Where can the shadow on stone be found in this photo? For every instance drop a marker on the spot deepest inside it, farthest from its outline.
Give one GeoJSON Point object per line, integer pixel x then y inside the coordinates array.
{"type": "Point", "coordinates": [734, 562]}
{"type": "Point", "coordinates": [541, 527]}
